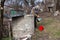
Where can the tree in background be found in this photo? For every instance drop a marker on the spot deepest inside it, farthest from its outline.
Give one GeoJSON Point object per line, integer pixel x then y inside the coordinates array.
{"type": "Point", "coordinates": [2, 9]}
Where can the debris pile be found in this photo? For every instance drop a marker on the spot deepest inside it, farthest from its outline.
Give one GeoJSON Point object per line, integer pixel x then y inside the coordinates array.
{"type": "Point", "coordinates": [56, 13]}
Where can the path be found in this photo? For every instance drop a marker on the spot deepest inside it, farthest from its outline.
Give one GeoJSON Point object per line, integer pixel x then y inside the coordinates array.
{"type": "Point", "coordinates": [23, 27]}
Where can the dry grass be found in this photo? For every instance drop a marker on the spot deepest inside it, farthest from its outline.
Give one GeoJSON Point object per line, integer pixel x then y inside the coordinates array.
{"type": "Point", "coordinates": [52, 27]}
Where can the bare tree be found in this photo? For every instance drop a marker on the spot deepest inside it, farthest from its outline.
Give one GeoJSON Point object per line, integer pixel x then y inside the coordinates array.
{"type": "Point", "coordinates": [2, 6]}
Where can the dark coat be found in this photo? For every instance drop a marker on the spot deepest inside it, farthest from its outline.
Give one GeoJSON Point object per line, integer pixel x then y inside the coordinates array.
{"type": "Point", "coordinates": [7, 16]}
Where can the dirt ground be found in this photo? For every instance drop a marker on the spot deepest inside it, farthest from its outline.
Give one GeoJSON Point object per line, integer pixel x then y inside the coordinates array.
{"type": "Point", "coordinates": [51, 27]}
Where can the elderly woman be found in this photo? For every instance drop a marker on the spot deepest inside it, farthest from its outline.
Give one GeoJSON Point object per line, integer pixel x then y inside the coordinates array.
{"type": "Point", "coordinates": [7, 18]}
{"type": "Point", "coordinates": [35, 11]}
{"type": "Point", "coordinates": [7, 23]}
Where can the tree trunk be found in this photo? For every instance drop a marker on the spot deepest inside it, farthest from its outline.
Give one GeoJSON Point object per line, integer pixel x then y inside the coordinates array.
{"type": "Point", "coordinates": [57, 5]}
{"type": "Point", "coordinates": [2, 5]}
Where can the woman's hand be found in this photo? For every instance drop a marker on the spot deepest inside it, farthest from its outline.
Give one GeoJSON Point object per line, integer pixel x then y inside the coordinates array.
{"type": "Point", "coordinates": [38, 16]}
{"type": "Point", "coordinates": [10, 19]}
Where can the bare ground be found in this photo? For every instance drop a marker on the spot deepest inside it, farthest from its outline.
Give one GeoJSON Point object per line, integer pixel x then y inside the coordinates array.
{"type": "Point", "coordinates": [51, 25]}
